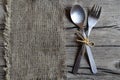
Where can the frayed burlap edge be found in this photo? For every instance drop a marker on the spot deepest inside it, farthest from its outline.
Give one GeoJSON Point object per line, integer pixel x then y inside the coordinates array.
{"type": "Point", "coordinates": [6, 36]}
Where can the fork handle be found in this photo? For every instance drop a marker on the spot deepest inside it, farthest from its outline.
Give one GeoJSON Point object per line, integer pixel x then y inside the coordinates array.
{"type": "Point", "coordinates": [77, 60]}
{"type": "Point", "coordinates": [91, 60]}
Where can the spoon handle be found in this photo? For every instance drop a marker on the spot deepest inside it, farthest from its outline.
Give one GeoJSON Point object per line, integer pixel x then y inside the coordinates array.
{"type": "Point", "coordinates": [78, 58]}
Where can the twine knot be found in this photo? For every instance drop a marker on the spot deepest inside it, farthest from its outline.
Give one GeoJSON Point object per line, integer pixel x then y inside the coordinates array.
{"type": "Point", "coordinates": [84, 40]}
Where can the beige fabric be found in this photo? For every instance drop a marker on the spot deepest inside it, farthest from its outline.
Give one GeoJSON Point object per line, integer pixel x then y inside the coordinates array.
{"type": "Point", "coordinates": [36, 40]}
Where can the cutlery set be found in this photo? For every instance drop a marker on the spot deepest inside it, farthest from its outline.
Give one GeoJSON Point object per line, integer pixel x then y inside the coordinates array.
{"type": "Point", "coordinates": [77, 15]}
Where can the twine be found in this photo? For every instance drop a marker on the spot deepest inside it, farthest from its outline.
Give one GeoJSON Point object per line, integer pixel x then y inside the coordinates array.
{"type": "Point", "coordinates": [83, 39]}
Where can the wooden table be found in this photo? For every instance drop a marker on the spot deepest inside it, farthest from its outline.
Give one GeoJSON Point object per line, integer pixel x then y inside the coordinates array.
{"type": "Point", "coordinates": [106, 36]}
{"type": "Point", "coordinates": [106, 51]}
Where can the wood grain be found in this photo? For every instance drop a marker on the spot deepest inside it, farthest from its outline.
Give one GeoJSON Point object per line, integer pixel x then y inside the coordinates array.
{"type": "Point", "coordinates": [105, 35]}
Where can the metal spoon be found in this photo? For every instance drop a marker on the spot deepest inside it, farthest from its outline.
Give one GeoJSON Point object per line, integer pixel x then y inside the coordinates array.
{"type": "Point", "coordinates": [78, 17]}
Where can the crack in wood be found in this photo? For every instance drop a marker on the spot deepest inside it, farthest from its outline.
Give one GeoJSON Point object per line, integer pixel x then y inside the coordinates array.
{"type": "Point", "coordinates": [81, 78]}
{"type": "Point", "coordinates": [95, 46]}
{"type": "Point", "coordinates": [97, 27]}
{"type": "Point", "coordinates": [101, 73]}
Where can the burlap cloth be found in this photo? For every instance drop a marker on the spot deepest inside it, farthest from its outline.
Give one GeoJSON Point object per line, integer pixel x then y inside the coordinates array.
{"type": "Point", "coordinates": [34, 42]}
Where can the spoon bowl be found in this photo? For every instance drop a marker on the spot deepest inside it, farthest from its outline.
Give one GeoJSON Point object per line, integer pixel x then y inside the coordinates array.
{"type": "Point", "coordinates": [77, 15]}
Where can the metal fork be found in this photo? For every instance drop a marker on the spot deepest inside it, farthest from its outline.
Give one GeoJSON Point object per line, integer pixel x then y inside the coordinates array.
{"type": "Point", "coordinates": [93, 18]}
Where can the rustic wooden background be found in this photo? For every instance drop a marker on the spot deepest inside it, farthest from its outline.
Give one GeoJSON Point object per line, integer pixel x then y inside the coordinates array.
{"type": "Point", "coordinates": [106, 36]}
{"type": "Point", "coordinates": [107, 42]}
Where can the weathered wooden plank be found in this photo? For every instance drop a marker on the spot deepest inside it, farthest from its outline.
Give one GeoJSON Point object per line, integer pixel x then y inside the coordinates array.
{"type": "Point", "coordinates": [106, 58]}
{"type": "Point", "coordinates": [101, 37]}
{"type": "Point", "coordinates": [92, 77]}
{"type": "Point", "coordinates": [110, 11]}
{"type": "Point", "coordinates": [102, 55]}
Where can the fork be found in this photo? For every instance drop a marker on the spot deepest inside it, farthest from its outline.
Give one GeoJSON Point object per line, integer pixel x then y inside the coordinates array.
{"type": "Point", "coordinates": [93, 18]}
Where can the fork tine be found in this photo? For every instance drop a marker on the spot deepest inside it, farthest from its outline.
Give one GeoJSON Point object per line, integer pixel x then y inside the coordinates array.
{"type": "Point", "coordinates": [98, 15]}
{"type": "Point", "coordinates": [96, 10]}
{"type": "Point", "coordinates": [92, 8]}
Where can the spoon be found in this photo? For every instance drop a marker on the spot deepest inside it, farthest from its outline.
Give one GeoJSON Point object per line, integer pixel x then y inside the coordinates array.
{"type": "Point", "coordinates": [78, 17]}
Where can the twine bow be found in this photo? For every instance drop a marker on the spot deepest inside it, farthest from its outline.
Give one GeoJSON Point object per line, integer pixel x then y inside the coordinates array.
{"type": "Point", "coordinates": [83, 39]}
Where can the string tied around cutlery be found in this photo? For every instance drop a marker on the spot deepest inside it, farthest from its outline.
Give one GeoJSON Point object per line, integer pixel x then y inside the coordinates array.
{"type": "Point", "coordinates": [84, 40]}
